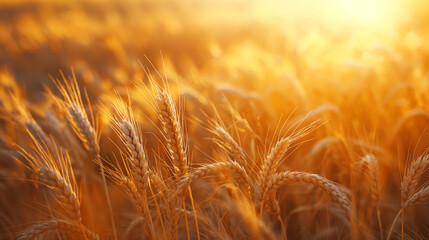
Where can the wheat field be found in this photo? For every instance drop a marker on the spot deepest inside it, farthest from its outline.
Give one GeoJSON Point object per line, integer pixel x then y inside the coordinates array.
{"type": "Point", "coordinates": [198, 119]}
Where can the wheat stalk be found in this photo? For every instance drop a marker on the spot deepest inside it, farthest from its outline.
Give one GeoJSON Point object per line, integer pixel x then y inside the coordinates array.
{"type": "Point", "coordinates": [371, 169]}
{"type": "Point", "coordinates": [270, 164]}
{"type": "Point", "coordinates": [60, 225]}
{"type": "Point", "coordinates": [373, 173]}
{"type": "Point", "coordinates": [336, 193]}
{"type": "Point", "coordinates": [173, 132]}
{"type": "Point", "coordinates": [411, 178]}
{"type": "Point", "coordinates": [56, 173]}
{"type": "Point", "coordinates": [77, 116]}
{"type": "Point", "coordinates": [234, 167]}
{"type": "Point", "coordinates": [420, 196]}
{"type": "Point", "coordinates": [409, 193]}
{"type": "Point", "coordinates": [227, 142]}
{"type": "Point", "coordinates": [36, 130]}
{"type": "Point", "coordinates": [83, 128]}
{"type": "Point", "coordinates": [73, 105]}
{"type": "Point", "coordinates": [133, 194]}
{"type": "Point", "coordinates": [138, 156]}
{"type": "Point", "coordinates": [64, 193]}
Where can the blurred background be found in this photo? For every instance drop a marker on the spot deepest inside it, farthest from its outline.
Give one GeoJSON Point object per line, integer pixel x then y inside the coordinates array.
{"type": "Point", "coordinates": [234, 41]}
{"type": "Point", "coordinates": [354, 55]}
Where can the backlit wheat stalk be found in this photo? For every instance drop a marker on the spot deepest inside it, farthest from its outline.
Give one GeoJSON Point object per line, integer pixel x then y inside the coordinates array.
{"type": "Point", "coordinates": [337, 193]}
{"type": "Point", "coordinates": [172, 130]}
{"type": "Point", "coordinates": [270, 164]}
{"type": "Point", "coordinates": [62, 226]}
{"type": "Point", "coordinates": [234, 167]}
{"type": "Point", "coordinates": [126, 127]}
{"type": "Point", "coordinates": [63, 191]}
{"type": "Point", "coordinates": [412, 177]}
{"type": "Point", "coordinates": [73, 106]}
{"type": "Point", "coordinates": [410, 194]}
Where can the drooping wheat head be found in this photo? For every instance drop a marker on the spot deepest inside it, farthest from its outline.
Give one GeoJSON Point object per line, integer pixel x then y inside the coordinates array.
{"type": "Point", "coordinates": [270, 164]}
{"type": "Point", "coordinates": [232, 148]}
{"type": "Point", "coordinates": [236, 169]}
{"type": "Point", "coordinates": [337, 193]}
{"type": "Point", "coordinates": [56, 173]}
{"type": "Point", "coordinates": [57, 225]}
{"type": "Point", "coordinates": [411, 179]}
{"type": "Point", "coordinates": [75, 111]}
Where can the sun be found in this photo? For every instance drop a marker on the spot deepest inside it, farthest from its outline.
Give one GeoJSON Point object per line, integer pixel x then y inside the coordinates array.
{"type": "Point", "coordinates": [362, 10]}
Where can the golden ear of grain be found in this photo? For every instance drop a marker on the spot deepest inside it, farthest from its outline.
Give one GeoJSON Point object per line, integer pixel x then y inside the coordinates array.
{"type": "Point", "coordinates": [58, 225]}
{"type": "Point", "coordinates": [227, 142]}
{"type": "Point", "coordinates": [412, 177]}
{"type": "Point", "coordinates": [421, 196]}
{"type": "Point", "coordinates": [138, 156]}
{"type": "Point", "coordinates": [133, 194]}
{"type": "Point", "coordinates": [37, 132]}
{"type": "Point", "coordinates": [172, 131]}
{"type": "Point", "coordinates": [373, 174]}
{"type": "Point", "coordinates": [83, 128]}
{"type": "Point", "coordinates": [64, 193]}
{"type": "Point", "coordinates": [270, 164]}
{"type": "Point", "coordinates": [73, 106]}
{"type": "Point", "coordinates": [336, 193]}
{"type": "Point", "coordinates": [235, 168]}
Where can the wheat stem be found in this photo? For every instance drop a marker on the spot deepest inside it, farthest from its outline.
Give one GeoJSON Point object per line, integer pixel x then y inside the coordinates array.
{"type": "Point", "coordinates": [56, 224]}
{"type": "Point", "coordinates": [173, 132]}
{"type": "Point", "coordinates": [336, 193]}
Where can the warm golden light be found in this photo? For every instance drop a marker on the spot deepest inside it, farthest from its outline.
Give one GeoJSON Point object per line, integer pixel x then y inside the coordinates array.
{"type": "Point", "coordinates": [363, 9]}
{"type": "Point", "coordinates": [214, 119]}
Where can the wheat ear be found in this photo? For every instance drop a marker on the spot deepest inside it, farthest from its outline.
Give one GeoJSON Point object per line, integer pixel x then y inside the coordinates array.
{"type": "Point", "coordinates": [54, 225]}
{"type": "Point", "coordinates": [77, 116]}
{"type": "Point", "coordinates": [271, 162]}
{"type": "Point", "coordinates": [373, 174]}
{"type": "Point", "coordinates": [420, 196]}
{"type": "Point", "coordinates": [84, 129]}
{"type": "Point", "coordinates": [173, 131]}
{"type": "Point", "coordinates": [227, 142]}
{"type": "Point", "coordinates": [336, 193]}
{"type": "Point", "coordinates": [73, 104]}
{"type": "Point", "coordinates": [412, 177]}
{"type": "Point", "coordinates": [64, 193]}
{"type": "Point", "coordinates": [234, 167]}
{"type": "Point", "coordinates": [37, 131]}
{"type": "Point", "coordinates": [138, 156]}
{"type": "Point", "coordinates": [132, 193]}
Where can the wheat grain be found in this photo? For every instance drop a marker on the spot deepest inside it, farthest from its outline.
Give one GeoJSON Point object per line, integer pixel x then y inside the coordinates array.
{"type": "Point", "coordinates": [138, 156]}
{"type": "Point", "coordinates": [173, 131]}
{"type": "Point", "coordinates": [226, 141]}
{"type": "Point", "coordinates": [270, 164]}
{"type": "Point", "coordinates": [373, 173]}
{"type": "Point", "coordinates": [76, 114]}
{"type": "Point", "coordinates": [36, 131]}
{"type": "Point", "coordinates": [64, 193]}
{"type": "Point", "coordinates": [57, 225]}
{"type": "Point", "coordinates": [412, 176]}
{"type": "Point", "coordinates": [234, 167]}
{"type": "Point", "coordinates": [84, 129]}
{"type": "Point", "coordinates": [133, 194]}
{"type": "Point", "coordinates": [421, 196]}
{"type": "Point", "coordinates": [336, 193]}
